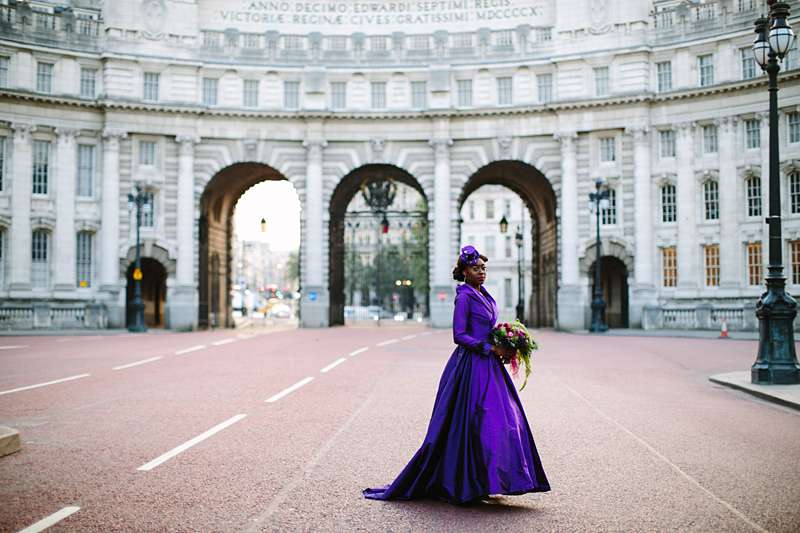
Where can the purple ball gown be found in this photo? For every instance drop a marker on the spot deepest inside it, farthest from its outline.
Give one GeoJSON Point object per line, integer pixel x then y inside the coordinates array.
{"type": "Point", "coordinates": [478, 441]}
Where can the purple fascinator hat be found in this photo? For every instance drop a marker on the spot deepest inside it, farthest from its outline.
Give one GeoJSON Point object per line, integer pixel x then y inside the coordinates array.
{"type": "Point", "coordinates": [469, 255]}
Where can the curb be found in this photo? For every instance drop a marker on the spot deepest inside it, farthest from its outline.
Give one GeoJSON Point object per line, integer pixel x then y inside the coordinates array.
{"type": "Point", "coordinates": [786, 395]}
{"type": "Point", "coordinates": [9, 441]}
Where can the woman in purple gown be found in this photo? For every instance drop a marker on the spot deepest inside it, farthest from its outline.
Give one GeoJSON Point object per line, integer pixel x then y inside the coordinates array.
{"type": "Point", "coordinates": [478, 441]}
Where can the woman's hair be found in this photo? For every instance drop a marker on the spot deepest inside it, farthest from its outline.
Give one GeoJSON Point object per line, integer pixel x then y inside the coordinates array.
{"type": "Point", "coordinates": [458, 270]}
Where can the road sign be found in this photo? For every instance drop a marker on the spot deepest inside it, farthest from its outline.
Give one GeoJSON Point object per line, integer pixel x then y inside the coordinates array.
{"type": "Point", "coordinates": [442, 296]}
{"type": "Point", "coordinates": [137, 274]}
{"type": "Point", "coordinates": [312, 295]}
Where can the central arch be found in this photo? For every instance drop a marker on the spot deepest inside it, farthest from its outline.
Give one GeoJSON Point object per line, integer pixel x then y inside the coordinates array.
{"type": "Point", "coordinates": [217, 204]}
{"type": "Point", "coordinates": [347, 188]}
{"type": "Point", "coordinates": [538, 195]}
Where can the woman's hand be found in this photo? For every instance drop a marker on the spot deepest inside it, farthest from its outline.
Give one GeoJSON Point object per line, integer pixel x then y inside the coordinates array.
{"type": "Point", "coordinates": [503, 351]}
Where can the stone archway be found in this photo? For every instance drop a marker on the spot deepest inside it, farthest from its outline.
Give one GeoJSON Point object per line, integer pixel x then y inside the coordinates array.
{"type": "Point", "coordinates": [215, 248]}
{"type": "Point", "coordinates": [538, 194]}
{"type": "Point", "coordinates": [617, 264]}
{"type": "Point", "coordinates": [154, 293]}
{"type": "Point", "coordinates": [347, 188]}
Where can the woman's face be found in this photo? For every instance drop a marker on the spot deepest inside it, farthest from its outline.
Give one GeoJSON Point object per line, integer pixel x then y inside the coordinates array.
{"type": "Point", "coordinates": [475, 275]}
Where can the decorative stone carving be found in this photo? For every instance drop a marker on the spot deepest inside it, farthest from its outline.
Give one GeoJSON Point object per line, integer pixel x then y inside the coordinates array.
{"type": "Point", "coordinates": [441, 147]}
{"type": "Point", "coordinates": [504, 146]}
{"type": "Point", "coordinates": [154, 17]}
{"type": "Point", "coordinates": [22, 132]}
{"type": "Point", "coordinates": [377, 150]}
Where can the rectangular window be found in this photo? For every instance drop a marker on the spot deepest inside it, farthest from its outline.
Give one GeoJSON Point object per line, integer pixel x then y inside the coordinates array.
{"type": "Point", "coordinates": [666, 143]}
{"type": "Point", "coordinates": [669, 267]}
{"type": "Point", "coordinates": [753, 185]}
{"type": "Point", "coordinates": [151, 82]}
{"type": "Point", "coordinates": [664, 73]}
{"type": "Point", "coordinates": [291, 94]}
{"type": "Point", "coordinates": [210, 86]}
{"type": "Point", "coordinates": [755, 263]}
{"type": "Point", "coordinates": [544, 83]}
{"type": "Point", "coordinates": [601, 81]}
{"type": "Point", "coordinates": [2, 257]}
{"type": "Point", "coordinates": [3, 71]}
{"type": "Point", "coordinates": [794, 192]}
{"type": "Point", "coordinates": [669, 211]}
{"type": "Point", "coordinates": [794, 250]}
{"type": "Point", "coordinates": [44, 77]}
{"type": "Point", "coordinates": [608, 215]}
{"type": "Point", "coordinates": [250, 96]}
{"type": "Point", "coordinates": [419, 94]}
{"type": "Point", "coordinates": [41, 166]}
{"type": "Point", "coordinates": [504, 39]}
{"type": "Point", "coordinates": [3, 157]}
{"type": "Point", "coordinates": [377, 43]}
{"type": "Point", "coordinates": [748, 63]}
{"type": "Point", "coordinates": [40, 264]}
{"type": "Point", "coordinates": [149, 210]}
{"type": "Point", "coordinates": [711, 256]}
{"type": "Point", "coordinates": [508, 246]}
{"type": "Point", "coordinates": [507, 208]}
{"type": "Point", "coordinates": [147, 153]}
{"type": "Point", "coordinates": [83, 259]}
{"type": "Point", "coordinates": [790, 60]}
{"type": "Point", "coordinates": [607, 149]}
{"type": "Point", "coordinates": [505, 94]}
{"type": "Point", "coordinates": [464, 93]}
{"type": "Point", "coordinates": [88, 82]}
{"type": "Point", "coordinates": [752, 129]}
{"type": "Point", "coordinates": [705, 65]}
{"type": "Point", "coordinates": [85, 176]}
{"type": "Point", "coordinates": [488, 245]}
{"type": "Point", "coordinates": [252, 40]}
{"type": "Point", "coordinates": [338, 95]}
{"type": "Point", "coordinates": [710, 140]}
{"type": "Point", "coordinates": [489, 209]}
{"type": "Point", "coordinates": [794, 127]}
{"type": "Point", "coordinates": [507, 294]}
{"type": "Point", "coordinates": [746, 5]}
{"type": "Point", "coordinates": [711, 200]}
{"type": "Point", "coordinates": [378, 95]}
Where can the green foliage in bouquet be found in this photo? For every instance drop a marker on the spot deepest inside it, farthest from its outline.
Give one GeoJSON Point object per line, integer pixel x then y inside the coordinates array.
{"type": "Point", "coordinates": [516, 337]}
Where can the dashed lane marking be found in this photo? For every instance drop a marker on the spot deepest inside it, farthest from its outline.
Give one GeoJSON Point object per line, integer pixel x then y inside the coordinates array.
{"type": "Point", "coordinates": [137, 363]}
{"type": "Point", "coordinates": [408, 337]}
{"type": "Point", "coordinates": [387, 343]}
{"type": "Point", "coordinates": [188, 444]}
{"type": "Point", "coordinates": [289, 390]}
{"type": "Point", "coordinates": [79, 376]}
{"type": "Point", "coordinates": [48, 521]}
{"type": "Point", "coordinates": [13, 346]}
{"type": "Point", "coordinates": [356, 352]}
{"type": "Point", "coordinates": [223, 342]}
{"type": "Point", "coordinates": [192, 349]}
{"type": "Point", "coordinates": [334, 364]}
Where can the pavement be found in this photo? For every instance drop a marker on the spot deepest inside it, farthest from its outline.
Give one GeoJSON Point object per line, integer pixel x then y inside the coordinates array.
{"type": "Point", "coordinates": [280, 431]}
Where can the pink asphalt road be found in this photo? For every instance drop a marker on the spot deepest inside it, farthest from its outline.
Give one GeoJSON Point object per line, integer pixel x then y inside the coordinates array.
{"type": "Point", "coordinates": [632, 434]}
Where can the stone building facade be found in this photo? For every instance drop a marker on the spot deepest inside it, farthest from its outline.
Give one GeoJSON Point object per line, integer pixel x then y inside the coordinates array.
{"type": "Point", "coordinates": [195, 101]}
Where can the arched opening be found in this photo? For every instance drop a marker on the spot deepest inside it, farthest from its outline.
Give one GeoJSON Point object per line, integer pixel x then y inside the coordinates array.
{"type": "Point", "coordinates": [378, 257]}
{"type": "Point", "coordinates": [154, 293]}
{"type": "Point", "coordinates": [540, 239]}
{"type": "Point", "coordinates": [614, 283]}
{"type": "Point", "coordinates": [216, 239]}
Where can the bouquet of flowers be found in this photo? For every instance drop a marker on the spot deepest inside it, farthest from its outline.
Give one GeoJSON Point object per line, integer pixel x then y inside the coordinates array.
{"type": "Point", "coordinates": [516, 337]}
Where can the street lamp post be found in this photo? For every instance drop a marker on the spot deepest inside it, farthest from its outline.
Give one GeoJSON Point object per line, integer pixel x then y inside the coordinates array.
{"type": "Point", "coordinates": [140, 202]}
{"type": "Point", "coordinates": [776, 362]}
{"type": "Point", "coordinates": [598, 200]}
{"type": "Point", "coordinates": [353, 227]}
{"type": "Point", "coordinates": [520, 276]}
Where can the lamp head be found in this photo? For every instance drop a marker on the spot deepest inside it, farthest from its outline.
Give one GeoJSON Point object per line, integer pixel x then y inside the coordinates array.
{"type": "Point", "coordinates": [781, 35]}
{"type": "Point", "coordinates": [761, 45]}
{"type": "Point", "coordinates": [503, 225]}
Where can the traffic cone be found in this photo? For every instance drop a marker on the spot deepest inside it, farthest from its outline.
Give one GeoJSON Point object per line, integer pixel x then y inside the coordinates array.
{"type": "Point", "coordinates": [723, 334]}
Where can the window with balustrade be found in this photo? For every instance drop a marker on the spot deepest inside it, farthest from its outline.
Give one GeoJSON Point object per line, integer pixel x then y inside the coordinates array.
{"type": "Point", "coordinates": [669, 266]}
{"type": "Point", "coordinates": [669, 210]}
{"type": "Point", "coordinates": [464, 90]}
{"type": "Point", "coordinates": [753, 193]}
{"type": "Point", "coordinates": [505, 91]}
{"type": "Point", "coordinates": [710, 139]}
{"type": "Point", "coordinates": [88, 82]}
{"type": "Point", "coordinates": [44, 77]}
{"type": "Point", "coordinates": [40, 259]}
{"type": "Point", "coordinates": [83, 259]}
{"type": "Point", "coordinates": [755, 263]}
{"type": "Point", "coordinates": [664, 76]}
{"type": "Point", "coordinates": [711, 263]}
{"type": "Point", "coordinates": [151, 83]}
{"type": "Point", "coordinates": [41, 166]}
{"type": "Point", "coordinates": [705, 66]}
{"type": "Point", "coordinates": [85, 177]}
{"type": "Point", "coordinates": [666, 143]}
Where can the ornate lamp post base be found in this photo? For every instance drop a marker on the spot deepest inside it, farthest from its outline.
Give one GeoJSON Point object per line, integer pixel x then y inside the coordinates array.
{"type": "Point", "coordinates": [598, 308]}
{"type": "Point", "coordinates": [776, 362]}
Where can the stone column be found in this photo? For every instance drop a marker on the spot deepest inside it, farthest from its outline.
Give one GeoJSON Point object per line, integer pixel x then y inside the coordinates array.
{"type": "Point", "coordinates": [687, 199]}
{"type": "Point", "coordinates": [644, 290]}
{"type": "Point", "coordinates": [64, 240]}
{"type": "Point", "coordinates": [182, 304]}
{"type": "Point", "coordinates": [442, 246]}
{"type": "Point", "coordinates": [109, 229]}
{"type": "Point", "coordinates": [729, 208]}
{"type": "Point", "coordinates": [571, 302]}
{"type": "Point", "coordinates": [21, 190]}
{"type": "Point", "coordinates": [315, 300]}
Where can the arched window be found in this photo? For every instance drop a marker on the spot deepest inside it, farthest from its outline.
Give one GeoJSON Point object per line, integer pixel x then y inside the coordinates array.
{"type": "Point", "coordinates": [753, 187]}
{"type": "Point", "coordinates": [711, 200]}
{"type": "Point", "coordinates": [83, 259]}
{"type": "Point", "coordinates": [40, 258]}
{"type": "Point", "coordinates": [669, 211]}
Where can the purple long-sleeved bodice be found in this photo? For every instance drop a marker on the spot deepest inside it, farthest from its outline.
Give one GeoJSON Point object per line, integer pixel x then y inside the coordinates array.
{"type": "Point", "coordinates": [478, 441]}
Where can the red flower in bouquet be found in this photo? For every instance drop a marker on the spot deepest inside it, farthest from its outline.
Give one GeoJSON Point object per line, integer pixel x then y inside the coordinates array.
{"type": "Point", "coordinates": [515, 337]}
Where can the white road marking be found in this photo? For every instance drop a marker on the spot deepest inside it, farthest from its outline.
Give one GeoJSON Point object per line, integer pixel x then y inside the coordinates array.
{"type": "Point", "coordinates": [45, 384]}
{"type": "Point", "coordinates": [13, 346]}
{"type": "Point", "coordinates": [387, 343]}
{"type": "Point", "coordinates": [424, 333]}
{"type": "Point", "coordinates": [223, 341]}
{"type": "Point", "coordinates": [245, 336]}
{"type": "Point", "coordinates": [137, 363]}
{"type": "Point", "coordinates": [188, 444]}
{"type": "Point", "coordinates": [192, 349]}
{"type": "Point", "coordinates": [334, 364]}
{"type": "Point", "coordinates": [672, 465]}
{"type": "Point", "coordinates": [408, 337]}
{"type": "Point", "coordinates": [54, 518]}
{"type": "Point", "coordinates": [356, 352]}
{"type": "Point", "coordinates": [290, 390]}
